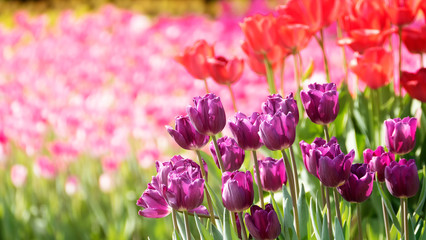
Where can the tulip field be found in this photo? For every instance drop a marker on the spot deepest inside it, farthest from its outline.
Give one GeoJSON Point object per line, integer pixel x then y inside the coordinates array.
{"type": "Point", "coordinates": [302, 120]}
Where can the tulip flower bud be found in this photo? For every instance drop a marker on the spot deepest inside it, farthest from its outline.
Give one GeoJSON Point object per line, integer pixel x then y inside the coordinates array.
{"type": "Point", "coordinates": [185, 134]}
{"type": "Point", "coordinates": [321, 102]}
{"type": "Point", "coordinates": [237, 190]}
{"type": "Point", "coordinates": [402, 179]}
{"type": "Point", "coordinates": [263, 224]}
{"type": "Point", "coordinates": [18, 175]}
{"type": "Point", "coordinates": [275, 102]}
{"type": "Point", "coordinates": [245, 130]}
{"type": "Point", "coordinates": [232, 155]}
{"type": "Point", "coordinates": [333, 171]}
{"type": "Point", "coordinates": [224, 71]}
{"type": "Point", "coordinates": [208, 115]}
{"type": "Point", "coordinates": [194, 59]}
{"type": "Point", "coordinates": [401, 135]}
{"type": "Point", "coordinates": [415, 84]}
{"type": "Point", "coordinates": [272, 174]}
{"type": "Point", "coordinates": [378, 160]}
{"type": "Point", "coordinates": [359, 185]}
{"type": "Point", "coordinates": [278, 131]}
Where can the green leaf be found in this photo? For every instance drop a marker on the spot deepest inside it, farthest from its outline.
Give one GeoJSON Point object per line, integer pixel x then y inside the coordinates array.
{"type": "Point", "coordinates": [228, 232]}
{"type": "Point", "coordinates": [338, 232]}
{"type": "Point", "coordinates": [303, 214]}
{"type": "Point", "coordinates": [217, 203]}
{"type": "Point", "coordinates": [313, 219]}
{"type": "Point", "coordinates": [214, 171]}
{"type": "Point", "coordinates": [422, 194]}
{"type": "Point", "coordinates": [215, 232]}
{"type": "Point", "coordinates": [277, 210]}
{"type": "Point", "coordinates": [424, 231]}
{"type": "Point", "coordinates": [347, 224]}
{"type": "Point", "coordinates": [204, 234]}
{"type": "Point", "coordinates": [181, 226]}
{"type": "Point", "coordinates": [411, 235]}
{"type": "Point", "coordinates": [308, 72]}
{"type": "Point", "coordinates": [389, 208]}
{"type": "Point", "coordinates": [324, 232]}
{"type": "Point", "coordinates": [288, 226]}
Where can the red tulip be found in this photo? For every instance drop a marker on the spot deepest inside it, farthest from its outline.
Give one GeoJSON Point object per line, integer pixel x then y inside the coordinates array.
{"type": "Point", "coordinates": [194, 59]}
{"type": "Point", "coordinates": [259, 32]}
{"type": "Point", "coordinates": [374, 67]}
{"type": "Point", "coordinates": [362, 39]}
{"type": "Point", "coordinates": [256, 63]}
{"type": "Point", "coordinates": [292, 37]}
{"type": "Point", "coordinates": [402, 12]}
{"type": "Point", "coordinates": [414, 39]}
{"type": "Point", "coordinates": [415, 84]}
{"type": "Point", "coordinates": [225, 71]}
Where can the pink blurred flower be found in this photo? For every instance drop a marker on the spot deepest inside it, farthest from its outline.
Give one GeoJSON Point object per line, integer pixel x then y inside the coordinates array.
{"type": "Point", "coordinates": [45, 168]}
{"type": "Point", "coordinates": [18, 175]}
{"type": "Point", "coordinates": [71, 185]}
{"type": "Point", "coordinates": [106, 182]}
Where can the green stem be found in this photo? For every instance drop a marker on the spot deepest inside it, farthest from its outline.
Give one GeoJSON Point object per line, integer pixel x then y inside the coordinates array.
{"type": "Point", "coordinates": [296, 71]}
{"type": "Point", "coordinates": [209, 200]}
{"type": "Point", "coordinates": [259, 183]}
{"type": "Point", "coordinates": [206, 86]}
{"type": "Point", "coordinates": [243, 227]}
{"type": "Point", "coordinates": [175, 226]}
{"type": "Point", "coordinates": [400, 67]}
{"type": "Point", "coordinates": [234, 104]}
{"type": "Point", "coordinates": [188, 232]}
{"type": "Point", "coordinates": [295, 173]}
{"type": "Point", "coordinates": [282, 76]}
{"type": "Point", "coordinates": [402, 217]}
{"type": "Point", "coordinates": [358, 212]}
{"type": "Point", "coordinates": [218, 154]}
{"type": "Point", "coordinates": [407, 234]}
{"type": "Point", "coordinates": [385, 219]}
{"type": "Point", "coordinates": [271, 194]}
{"type": "Point", "coordinates": [321, 43]}
{"type": "Point", "coordinates": [327, 135]}
{"type": "Point", "coordinates": [322, 194]}
{"type": "Point", "coordinates": [270, 76]}
{"type": "Point", "coordinates": [337, 206]}
{"type": "Point", "coordinates": [233, 221]}
{"type": "Point", "coordinates": [292, 191]}
{"type": "Point", "coordinates": [327, 199]}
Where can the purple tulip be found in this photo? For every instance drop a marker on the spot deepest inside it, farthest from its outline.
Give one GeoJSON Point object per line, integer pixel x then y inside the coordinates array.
{"type": "Point", "coordinates": [321, 102]}
{"type": "Point", "coordinates": [402, 179]}
{"type": "Point", "coordinates": [359, 185]}
{"type": "Point", "coordinates": [154, 203]}
{"type": "Point", "coordinates": [311, 153]}
{"type": "Point", "coordinates": [401, 135]}
{"type": "Point", "coordinates": [208, 115]}
{"type": "Point", "coordinates": [263, 224]}
{"type": "Point", "coordinates": [278, 131]}
{"type": "Point", "coordinates": [334, 171]}
{"type": "Point", "coordinates": [272, 174]}
{"type": "Point", "coordinates": [245, 130]}
{"type": "Point", "coordinates": [232, 155]}
{"type": "Point", "coordinates": [185, 134]}
{"type": "Point", "coordinates": [237, 190]}
{"type": "Point", "coordinates": [378, 160]}
{"type": "Point", "coordinates": [275, 102]}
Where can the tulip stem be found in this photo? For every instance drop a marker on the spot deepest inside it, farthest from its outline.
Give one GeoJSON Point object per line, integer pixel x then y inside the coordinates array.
{"type": "Point", "coordinates": [243, 227]}
{"type": "Point", "coordinates": [358, 213]}
{"type": "Point", "coordinates": [233, 221]}
{"type": "Point", "coordinates": [322, 194]}
{"type": "Point", "coordinates": [282, 76]}
{"type": "Point", "coordinates": [402, 217]}
{"type": "Point", "coordinates": [327, 136]}
{"type": "Point", "coordinates": [259, 183]}
{"type": "Point", "coordinates": [400, 67]}
{"type": "Point", "coordinates": [234, 104]}
{"type": "Point", "coordinates": [188, 232]}
{"type": "Point", "coordinates": [218, 154]}
{"type": "Point", "coordinates": [385, 219]}
{"type": "Point", "coordinates": [271, 195]}
{"type": "Point", "coordinates": [327, 199]}
{"type": "Point", "coordinates": [292, 191]}
{"type": "Point", "coordinates": [209, 200]}
{"type": "Point", "coordinates": [295, 173]}
{"type": "Point", "coordinates": [175, 226]}
{"type": "Point", "coordinates": [269, 76]}
{"type": "Point", "coordinates": [337, 206]}
{"type": "Point", "coordinates": [296, 72]}
{"type": "Point", "coordinates": [421, 60]}
{"type": "Point", "coordinates": [321, 43]}
{"type": "Point", "coordinates": [206, 86]}
{"type": "Point", "coordinates": [407, 234]}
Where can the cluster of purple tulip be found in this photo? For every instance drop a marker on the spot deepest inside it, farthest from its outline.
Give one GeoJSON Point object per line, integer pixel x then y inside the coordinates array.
{"type": "Point", "coordinates": [181, 184]}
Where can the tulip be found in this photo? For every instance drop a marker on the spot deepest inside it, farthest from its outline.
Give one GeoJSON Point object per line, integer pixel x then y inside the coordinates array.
{"type": "Point", "coordinates": [256, 60]}
{"type": "Point", "coordinates": [359, 185]}
{"type": "Point", "coordinates": [378, 160]}
{"type": "Point", "coordinates": [18, 175]}
{"type": "Point", "coordinates": [306, 12]}
{"type": "Point", "coordinates": [194, 59]}
{"type": "Point", "coordinates": [415, 84]}
{"type": "Point", "coordinates": [275, 102]}
{"type": "Point", "coordinates": [185, 134]}
{"type": "Point", "coordinates": [321, 102]}
{"type": "Point", "coordinates": [360, 40]}
{"type": "Point", "coordinates": [232, 154]}
{"type": "Point", "coordinates": [71, 185]}
{"type": "Point", "coordinates": [312, 152]}
{"type": "Point", "coordinates": [278, 131]}
{"type": "Point", "coordinates": [401, 135]}
{"type": "Point", "coordinates": [402, 12]}
{"type": "Point", "coordinates": [207, 116]}
{"type": "Point", "coordinates": [259, 33]}
{"type": "Point", "coordinates": [414, 39]}
{"type": "Point", "coordinates": [224, 71]}
{"type": "Point", "coordinates": [333, 171]}
{"type": "Point", "coordinates": [154, 203]}
{"type": "Point", "coordinates": [402, 179]}
{"type": "Point", "coordinates": [245, 130]}
{"type": "Point", "coordinates": [374, 67]}
{"type": "Point", "coordinates": [292, 36]}
{"type": "Point", "coordinates": [272, 174]}
{"type": "Point", "coordinates": [237, 190]}
{"type": "Point", "coordinates": [263, 224]}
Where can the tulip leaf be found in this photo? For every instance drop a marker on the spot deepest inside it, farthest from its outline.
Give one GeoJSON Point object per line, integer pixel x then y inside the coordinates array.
{"type": "Point", "coordinates": [308, 72]}
{"type": "Point", "coordinates": [217, 203]}
{"type": "Point", "coordinates": [215, 232]}
{"type": "Point", "coordinates": [288, 226]}
{"type": "Point", "coordinates": [228, 232]}
{"type": "Point", "coordinates": [313, 219]}
{"type": "Point", "coordinates": [424, 231]}
{"type": "Point", "coordinates": [302, 207]}
{"type": "Point", "coordinates": [389, 208]}
{"type": "Point", "coordinates": [422, 196]}
{"type": "Point", "coordinates": [338, 232]}
{"type": "Point", "coordinates": [410, 222]}
{"type": "Point", "coordinates": [181, 226]}
{"type": "Point", "coordinates": [214, 171]}
{"type": "Point", "coordinates": [176, 236]}
{"type": "Point", "coordinates": [347, 224]}
{"type": "Point", "coordinates": [324, 232]}
{"type": "Point", "coordinates": [277, 210]}
{"type": "Point", "coordinates": [204, 234]}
